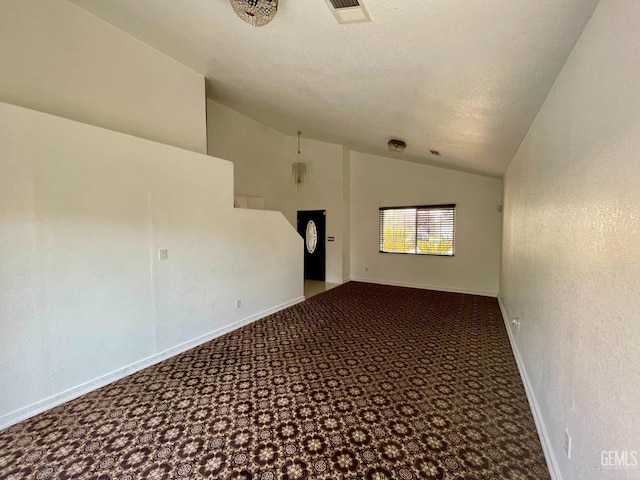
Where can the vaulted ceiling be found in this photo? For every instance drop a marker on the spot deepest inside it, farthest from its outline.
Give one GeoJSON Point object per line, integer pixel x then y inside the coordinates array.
{"type": "Point", "coordinates": [464, 77]}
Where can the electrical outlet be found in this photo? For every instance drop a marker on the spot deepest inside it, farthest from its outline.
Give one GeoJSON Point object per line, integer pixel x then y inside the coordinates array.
{"type": "Point", "coordinates": [567, 444]}
{"type": "Point", "coordinates": [516, 323]}
{"type": "Point", "coordinates": [163, 254]}
{"type": "Point", "coordinates": [238, 303]}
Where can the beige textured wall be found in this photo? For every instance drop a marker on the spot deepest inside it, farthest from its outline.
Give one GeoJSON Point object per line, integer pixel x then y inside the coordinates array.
{"type": "Point", "coordinates": [571, 255]}
{"type": "Point", "coordinates": [380, 182]}
{"type": "Point", "coordinates": [346, 213]}
{"type": "Point", "coordinates": [257, 153]}
{"type": "Point", "coordinates": [57, 58]}
{"type": "Point", "coordinates": [84, 298]}
{"type": "Point", "coordinates": [262, 159]}
{"type": "Point", "coordinates": [350, 186]}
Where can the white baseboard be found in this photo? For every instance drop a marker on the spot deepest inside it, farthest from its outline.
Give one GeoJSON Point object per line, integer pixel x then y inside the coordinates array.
{"type": "Point", "coordinates": [29, 411]}
{"type": "Point", "coordinates": [423, 287]}
{"type": "Point", "coordinates": [552, 462]}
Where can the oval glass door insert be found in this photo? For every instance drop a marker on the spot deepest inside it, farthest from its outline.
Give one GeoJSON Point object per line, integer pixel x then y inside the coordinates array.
{"type": "Point", "coordinates": [311, 236]}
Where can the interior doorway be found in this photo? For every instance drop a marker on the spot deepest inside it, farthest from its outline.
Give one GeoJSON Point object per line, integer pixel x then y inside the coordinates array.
{"type": "Point", "coordinates": [312, 229]}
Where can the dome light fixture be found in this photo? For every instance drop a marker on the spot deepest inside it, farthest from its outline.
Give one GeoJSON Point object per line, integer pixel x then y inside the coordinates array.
{"type": "Point", "coordinates": [396, 145]}
{"type": "Point", "coordinates": [255, 12]}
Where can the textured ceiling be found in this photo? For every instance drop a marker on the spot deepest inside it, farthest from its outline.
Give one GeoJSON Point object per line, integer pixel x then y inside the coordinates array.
{"type": "Point", "coordinates": [464, 77]}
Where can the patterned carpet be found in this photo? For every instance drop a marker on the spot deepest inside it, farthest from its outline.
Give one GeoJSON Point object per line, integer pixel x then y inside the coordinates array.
{"type": "Point", "coordinates": [361, 382]}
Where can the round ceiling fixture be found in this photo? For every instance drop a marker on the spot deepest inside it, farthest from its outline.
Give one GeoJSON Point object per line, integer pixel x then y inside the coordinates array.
{"type": "Point", "coordinates": [396, 145]}
{"type": "Point", "coordinates": [255, 12]}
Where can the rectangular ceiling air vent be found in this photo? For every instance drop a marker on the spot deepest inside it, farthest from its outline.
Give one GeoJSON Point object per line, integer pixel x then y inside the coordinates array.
{"type": "Point", "coordinates": [344, 3]}
{"type": "Point", "coordinates": [348, 11]}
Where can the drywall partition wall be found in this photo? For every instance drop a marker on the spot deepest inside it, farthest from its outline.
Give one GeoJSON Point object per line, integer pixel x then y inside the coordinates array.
{"type": "Point", "coordinates": [58, 58]}
{"type": "Point", "coordinates": [379, 182]}
{"type": "Point", "coordinates": [262, 159]}
{"type": "Point", "coordinates": [84, 297]}
{"type": "Point", "coordinates": [257, 153]}
{"type": "Point", "coordinates": [571, 262]}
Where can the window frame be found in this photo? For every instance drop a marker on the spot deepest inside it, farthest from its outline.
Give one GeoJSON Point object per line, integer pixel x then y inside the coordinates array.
{"type": "Point", "coordinates": [447, 206]}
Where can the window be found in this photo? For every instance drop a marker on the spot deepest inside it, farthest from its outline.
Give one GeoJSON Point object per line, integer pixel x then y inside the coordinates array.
{"type": "Point", "coordinates": [426, 230]}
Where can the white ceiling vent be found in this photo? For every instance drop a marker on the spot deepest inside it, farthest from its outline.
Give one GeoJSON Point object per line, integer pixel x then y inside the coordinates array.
{"type": "Point", "coordinates": [349, 11]}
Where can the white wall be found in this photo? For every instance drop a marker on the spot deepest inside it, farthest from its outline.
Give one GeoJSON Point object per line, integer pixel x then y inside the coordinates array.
{"type": "Point", "coordinates": [83, 296]}
{"type": "Point", "coordinates": [257, 153]}
{"type": "Point", "coordinates": [351, 186]}
{"type": "Point", "coordinates": [571, 258]}
{"type": "Point", "coordinates": [262, 159]}
{"type": "Point", "coordinates": [379, 182]}
{"type": "Point", "coordinates": [346, 213]}
{"type": "Point", "coordinates": [57, 58]}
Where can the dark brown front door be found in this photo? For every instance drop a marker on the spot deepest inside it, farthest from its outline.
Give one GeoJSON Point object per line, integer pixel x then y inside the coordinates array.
{"type": "Point", "coordinates": [312, 229]}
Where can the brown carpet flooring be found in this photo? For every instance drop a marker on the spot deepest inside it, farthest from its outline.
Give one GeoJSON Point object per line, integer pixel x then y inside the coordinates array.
{"type": "Point", "coordinates": [361, 382]}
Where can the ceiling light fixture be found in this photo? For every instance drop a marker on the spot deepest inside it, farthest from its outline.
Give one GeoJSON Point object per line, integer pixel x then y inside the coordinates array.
{"type": "Point", "coordinates": [255, 12]}
{"type": "Point", "coordinates": [396, 145]}
{"type": "Point", "coordinates": [299, 168]}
